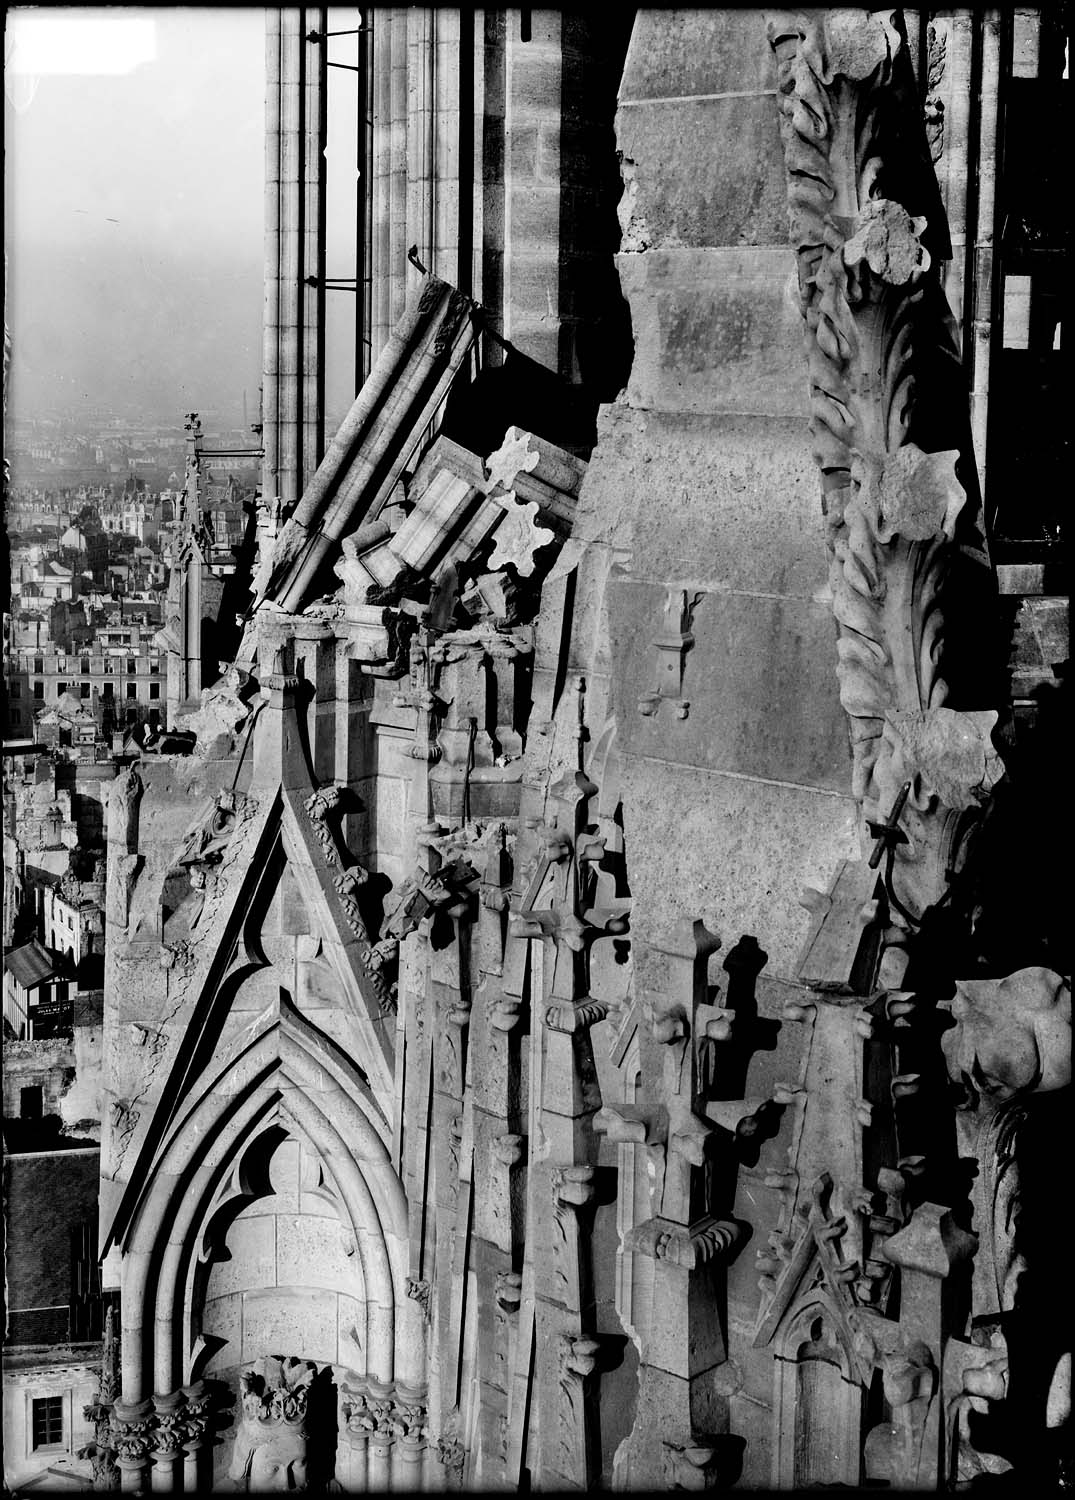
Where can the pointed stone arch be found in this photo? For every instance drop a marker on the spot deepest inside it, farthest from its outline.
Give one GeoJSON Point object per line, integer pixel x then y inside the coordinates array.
{"type": "Point", "coordinates": [283, 837]}
{"type": "Point", "coordinates": [287, 1076]}
{"type": "Point", "coordinates": [248, 1067]}
{"type": "Point", "coordinates": [820, 1385]}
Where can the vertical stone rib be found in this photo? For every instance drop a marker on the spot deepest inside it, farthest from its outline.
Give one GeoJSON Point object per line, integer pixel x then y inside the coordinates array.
{"type": "Point", "coordinates": [471, 112]}
{"type": "Point", "coordinates": [364, 217]}
{"type": "Point", "coordinates": [419, 134]}
{"type": "Point", "coordinates": [271, 336]}
{"type": "Point", "coordinates": [489, 153]}
{"type": "Point", "coordinates": [293, 389]}
{"type": "Point", "coordinates": [951, 82]}
{"type": "Point", "coordinates": [290, 254]}
{"type": "Point", "coordinates": [533, 232]}
{"type": "Point", "coordinates": [445, 149]}
{"type": "Point", "coordinates": [381, 180]}
{"type": "Point", "coordinates": [984, 233]}
{"type": "Point", "coordinates": [397, 213]}
{"type": "Point", "coordinates": [313, 297]}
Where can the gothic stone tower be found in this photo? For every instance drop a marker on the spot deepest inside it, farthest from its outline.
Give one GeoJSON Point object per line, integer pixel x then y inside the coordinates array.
{"type": "Point", "coordinates": [488, 1107]}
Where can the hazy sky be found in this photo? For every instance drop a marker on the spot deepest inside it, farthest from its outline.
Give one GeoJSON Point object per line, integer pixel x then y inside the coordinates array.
{"type": "Point", "coordinates": [134, 207]}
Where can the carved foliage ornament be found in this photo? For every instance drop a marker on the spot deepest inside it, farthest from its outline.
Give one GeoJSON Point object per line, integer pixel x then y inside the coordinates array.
{"type": "Point", "coordinates": [383, 1413]}
{"type": "Point", "coordinates": [132, 1427]}
{"type": "Point", "coordinates": [891, 508]}
{"type": "Point", "coordinates": [933, 109]}
{"type": "Point", "coordinates": [347, 879]}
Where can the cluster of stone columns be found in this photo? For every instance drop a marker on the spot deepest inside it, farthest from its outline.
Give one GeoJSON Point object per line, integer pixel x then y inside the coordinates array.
{"type": "Point", "coordinates": [382, 1439]}
{"type": "Point", "coordinates": [383, 1444]}
{"type": "Point", "coordinates": [164, 1435]}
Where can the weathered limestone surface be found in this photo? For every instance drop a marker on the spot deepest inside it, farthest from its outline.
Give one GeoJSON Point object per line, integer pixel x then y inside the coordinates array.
{"type": "Point", "coordinates": [487, 1103]}
{"type": "Point", "coordinates": [714, 332]}
{"type": "Point", "coordinates": [722, 506]}
{"type": "Point", "coordinates": [736, 785]}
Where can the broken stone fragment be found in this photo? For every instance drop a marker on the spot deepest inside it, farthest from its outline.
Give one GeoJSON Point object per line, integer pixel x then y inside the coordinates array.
{"type": "Point", "coordinates": [222, 712]}
{"type": "Point", "coordinates": [915, 495]}
{"type": "Point", "coordinates": [887, 239]}
{"type": "Point", "coordinates": [856, 43]}
{"type": "Point", "coordinates": [951, 751]}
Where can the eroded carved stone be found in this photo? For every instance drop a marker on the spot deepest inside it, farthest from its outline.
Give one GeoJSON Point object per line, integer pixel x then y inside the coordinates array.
{"type": "Point", "coordinates": [124, 796]}
{"type": "Point", "coordinates": [894, 513]}
{"type": "Point", "coordinates": [102, 1451]}
{"type": "Point", "coordinates": [270, 1446]}
{"type": "Point", "coordinates": [223, 709]}
{"type": "Point", "coordinates": [1012, 1040]}
{"type": "Point", "coordinates": [421, 1291]}
{"type": "Point", "coordinates": [1012, 1036]}
{"type": "Point", "coordinates": [132, 1429]}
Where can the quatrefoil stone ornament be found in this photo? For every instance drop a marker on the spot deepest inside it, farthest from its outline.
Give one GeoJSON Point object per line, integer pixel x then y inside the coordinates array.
{"type": "Point", "coordinates": [518, 536]}
{"type": "Point", "coordinates": [513, 457]}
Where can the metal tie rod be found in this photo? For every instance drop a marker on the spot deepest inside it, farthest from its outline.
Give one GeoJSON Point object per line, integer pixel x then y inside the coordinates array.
{"type": "Point", "coordinates": [322, 36]}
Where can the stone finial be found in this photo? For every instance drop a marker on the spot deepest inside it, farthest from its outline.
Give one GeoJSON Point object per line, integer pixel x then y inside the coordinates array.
{"type": "Point", "coordinates": [932, 1243]}
{"type": "Point", "coordinates": [892, 509]}
{"type": "Point", "coordinates": [573, 1186]}
{"type": "Point", "coordinates": [628, 1124]}
{"type": "Point", "coordinates": [508, 1290]}
{"type": "Point", "coordinates": [576, 1015]}
{"type": "Point", "coordinates": [578, 1356]}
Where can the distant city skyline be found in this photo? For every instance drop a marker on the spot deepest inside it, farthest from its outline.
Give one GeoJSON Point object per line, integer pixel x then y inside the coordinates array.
{"type": "Point", "coordinates": [134, 211]}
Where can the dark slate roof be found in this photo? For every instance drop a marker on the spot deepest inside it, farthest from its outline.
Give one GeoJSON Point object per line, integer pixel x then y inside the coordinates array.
{"type": "Point", "coordinates": [46, 1194]}
{"type": "Point", "coordinates": [30, 964]}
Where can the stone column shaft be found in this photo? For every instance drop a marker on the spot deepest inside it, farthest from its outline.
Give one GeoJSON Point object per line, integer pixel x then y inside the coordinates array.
{"type": "Point", "coordinates": [379, 1463]}
{"type": "Point", "coordinates": [191, 1466]}
{"type": "Point", "coordinates": [356, 1480]}
{"type": "Point", "coordinates": [293, 379]}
